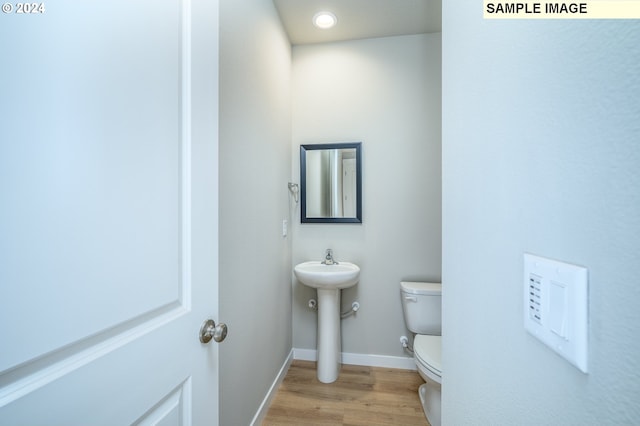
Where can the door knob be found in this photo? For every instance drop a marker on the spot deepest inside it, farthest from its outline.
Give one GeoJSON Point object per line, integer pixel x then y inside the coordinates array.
{"type": "Point", "coordinates": [209, 330]}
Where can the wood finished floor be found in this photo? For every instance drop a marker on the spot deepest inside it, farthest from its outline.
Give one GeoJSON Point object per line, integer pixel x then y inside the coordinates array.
{"type": "Point", "coordinates": [368, 396]}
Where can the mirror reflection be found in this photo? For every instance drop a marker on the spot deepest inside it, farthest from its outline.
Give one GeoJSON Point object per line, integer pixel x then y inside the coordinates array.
{"type": "Point", "coordinates": [331, 183]}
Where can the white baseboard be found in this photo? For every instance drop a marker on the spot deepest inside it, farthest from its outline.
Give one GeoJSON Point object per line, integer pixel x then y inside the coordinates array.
{"type": "Point", "coordinates": [264, 407]}
{"type": "Point", "coordinates": [305, 354]}
{"type": "Point", "coordinates": [383, 361]}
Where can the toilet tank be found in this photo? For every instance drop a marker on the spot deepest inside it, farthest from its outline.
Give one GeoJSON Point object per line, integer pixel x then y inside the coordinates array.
{"type": "Point", "coordinates": [422, 307]}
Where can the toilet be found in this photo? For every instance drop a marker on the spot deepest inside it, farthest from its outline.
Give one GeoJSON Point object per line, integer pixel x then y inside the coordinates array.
{"type": "Point", "coordinates": [422, 307]}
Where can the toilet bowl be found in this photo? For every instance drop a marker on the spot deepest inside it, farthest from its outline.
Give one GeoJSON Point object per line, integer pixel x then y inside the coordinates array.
{"type": "Point", "coordinates": [421, 304]}
{"type": "Point", "coordinates": [426, 353]}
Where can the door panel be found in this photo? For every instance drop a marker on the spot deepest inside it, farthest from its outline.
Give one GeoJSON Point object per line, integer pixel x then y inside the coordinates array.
{"type": "Point", "coordinates": [108, 146]}
{"type": "Point", "coordinates": [170, 410]}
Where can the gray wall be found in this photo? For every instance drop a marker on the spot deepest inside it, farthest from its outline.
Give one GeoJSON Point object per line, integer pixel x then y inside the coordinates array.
{"type": "Point", "coordinates": [541, 146]}
{"type": "Point", "coordinates": [386, 93]}
{"type": "Point", "coordinates": [255, 164]}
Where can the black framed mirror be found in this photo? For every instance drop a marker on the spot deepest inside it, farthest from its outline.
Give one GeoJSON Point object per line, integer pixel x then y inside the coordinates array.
{"type": "Point", "coordinates": [331, 183]}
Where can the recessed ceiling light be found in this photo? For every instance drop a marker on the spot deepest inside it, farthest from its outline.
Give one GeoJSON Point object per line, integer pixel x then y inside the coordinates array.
{"type": "Point", "coordinates": [324, 20]}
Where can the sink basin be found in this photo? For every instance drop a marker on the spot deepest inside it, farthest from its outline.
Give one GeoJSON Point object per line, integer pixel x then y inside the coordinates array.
{"type": "Point", "coordinates": [331, 277]}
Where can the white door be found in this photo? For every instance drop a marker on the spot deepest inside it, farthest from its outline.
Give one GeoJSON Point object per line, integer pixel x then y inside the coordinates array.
{"type": "Point", "coordinates": [108, 212]}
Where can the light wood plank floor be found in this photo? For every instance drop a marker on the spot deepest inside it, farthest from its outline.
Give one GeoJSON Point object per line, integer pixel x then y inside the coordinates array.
{"type": "Point", "coordinates": [368, 396]}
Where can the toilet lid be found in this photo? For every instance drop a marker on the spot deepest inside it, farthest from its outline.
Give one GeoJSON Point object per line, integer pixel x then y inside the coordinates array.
{"type": "Point", "coordinates": [429, 289]}
{"type": "Point", "coordinates": [428, 351]}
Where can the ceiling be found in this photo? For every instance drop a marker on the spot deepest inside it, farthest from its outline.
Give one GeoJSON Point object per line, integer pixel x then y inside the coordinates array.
{"type": "Point", "coordinates": [359, 19]}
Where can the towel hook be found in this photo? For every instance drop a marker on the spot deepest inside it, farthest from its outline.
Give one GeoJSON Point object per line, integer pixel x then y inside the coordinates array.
{"type": "Point", "coordinates": [295, 189]}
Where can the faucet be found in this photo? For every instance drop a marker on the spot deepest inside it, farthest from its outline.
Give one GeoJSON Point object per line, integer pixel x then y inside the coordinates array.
{"type": "Point", "coordinates": [328, 259]}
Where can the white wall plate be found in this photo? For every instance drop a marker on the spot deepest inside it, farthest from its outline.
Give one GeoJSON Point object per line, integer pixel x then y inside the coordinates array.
{"type": "Point", "coordinates": [556, 306]}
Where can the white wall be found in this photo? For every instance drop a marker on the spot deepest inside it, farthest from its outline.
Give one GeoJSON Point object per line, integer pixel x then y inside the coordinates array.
{"type": "Point", "coordinates": [385, 93]}
{"type": "Point", "coordinates": [255, 164]}
{"type": "Point", "coordinates": [541, 146]}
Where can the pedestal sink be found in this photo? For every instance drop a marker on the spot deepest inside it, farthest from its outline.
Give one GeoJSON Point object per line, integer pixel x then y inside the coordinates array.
{"type": "Point", "coordinates": [328, 280]}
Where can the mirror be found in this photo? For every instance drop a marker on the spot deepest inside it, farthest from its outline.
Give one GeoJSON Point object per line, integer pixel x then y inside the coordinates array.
{"type": "Point", "coordinates": [331, 183]}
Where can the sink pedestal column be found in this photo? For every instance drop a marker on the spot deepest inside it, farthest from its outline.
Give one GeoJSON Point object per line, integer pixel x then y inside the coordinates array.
{"type": "Point", "coordinates": [328, 335]}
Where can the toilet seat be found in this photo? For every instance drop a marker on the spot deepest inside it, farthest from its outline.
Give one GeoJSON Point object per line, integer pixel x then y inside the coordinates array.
{"type": "Point", "coordinates": [428, 353]}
